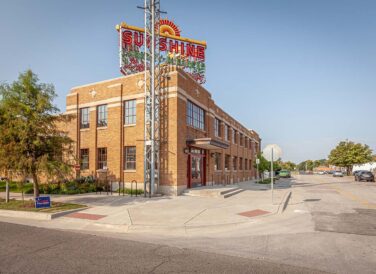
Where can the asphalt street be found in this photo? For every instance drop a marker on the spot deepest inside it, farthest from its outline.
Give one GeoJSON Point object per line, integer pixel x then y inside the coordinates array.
{"type": "Point", "coordinates": [35, 250]}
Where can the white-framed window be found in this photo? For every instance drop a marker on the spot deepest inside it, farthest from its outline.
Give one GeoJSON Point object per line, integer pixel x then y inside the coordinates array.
{"type": "Point", "coordinates": [102, 158]}
{"type": "Point", "coordinates": [102, 116]}
{"type": "Point", "coordinates": [226, 132]}
{"type": "Point", "coordinates": [130, 158]}
{"type": "Point", "coordinates": [84, 158]}
{"type": "Point", "coordinates": [130, 112]}
{"type": "Point", "coordinates": [217, 127]}
{"type": "Point", "coordinates": [195, 116]}
{"type": "Point", "coordinates": [84, 118]}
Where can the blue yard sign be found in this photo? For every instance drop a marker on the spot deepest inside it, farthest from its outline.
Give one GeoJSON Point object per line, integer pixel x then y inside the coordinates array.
{"type": "Point", "coordinates": [43, 202]}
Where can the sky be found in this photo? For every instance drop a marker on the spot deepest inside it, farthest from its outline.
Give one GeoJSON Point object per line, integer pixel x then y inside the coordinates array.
{"type": "Point", "coordinates": [300, 73]}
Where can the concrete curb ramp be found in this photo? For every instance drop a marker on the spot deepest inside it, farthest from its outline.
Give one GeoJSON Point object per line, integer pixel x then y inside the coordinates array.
{"type": "Point", "coordinates": [37, 215]}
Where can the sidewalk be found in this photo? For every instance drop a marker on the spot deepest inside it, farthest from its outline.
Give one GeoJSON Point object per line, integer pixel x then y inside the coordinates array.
{"type": "Point", "coordinates": [113, 213]}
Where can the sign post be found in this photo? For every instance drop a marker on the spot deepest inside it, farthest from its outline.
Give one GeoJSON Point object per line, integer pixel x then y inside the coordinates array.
{"type": "Point", "coordinates": [257, 163]}
{"type": "Point", "coordinates": [270, 153]}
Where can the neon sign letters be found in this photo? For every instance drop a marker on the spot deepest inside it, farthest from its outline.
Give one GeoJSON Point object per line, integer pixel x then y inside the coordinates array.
{"type": "Point", "coordinates": [184, 53]}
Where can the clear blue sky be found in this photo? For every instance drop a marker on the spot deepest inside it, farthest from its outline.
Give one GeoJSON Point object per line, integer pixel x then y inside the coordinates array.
{"type": "Point", "coordinates": [301, 73]}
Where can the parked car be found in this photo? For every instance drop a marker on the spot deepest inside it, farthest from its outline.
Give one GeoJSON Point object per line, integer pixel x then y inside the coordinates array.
{"type": "Point", "coordinates": [357, 171]}
{"type": "Point", "coordinates": [364, 176]}
{"type": "Point", "coordinates": [285, 173]}
{"type": "Point", "coordinates": [337, 174]}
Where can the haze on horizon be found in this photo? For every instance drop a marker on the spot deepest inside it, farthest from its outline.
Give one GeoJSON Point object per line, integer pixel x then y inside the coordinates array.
{"type": "Point", "coordinates": [300, 73]}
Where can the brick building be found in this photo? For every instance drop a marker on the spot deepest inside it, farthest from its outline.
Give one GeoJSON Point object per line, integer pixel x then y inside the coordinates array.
{"type": "Point", "coordinates": [200, 143]}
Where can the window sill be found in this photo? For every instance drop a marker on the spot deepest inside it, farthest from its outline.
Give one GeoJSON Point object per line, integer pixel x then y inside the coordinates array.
{"type": "Point", "coordinates": [195, 128]}
{"type": "Point", "coordinates": [219, 170]}
{"type": "Point", "coordinates": [85, 129]}
{"type": "Point", "coordinates": [101, 128]}
{"type": "Point", "coordinates": [130, 125]}
{"type": "Point", "coordinates": [129, 171]}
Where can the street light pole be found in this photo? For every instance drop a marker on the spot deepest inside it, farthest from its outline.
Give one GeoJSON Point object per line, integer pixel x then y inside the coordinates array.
{"type": "Point", "coordinates": [272, 175]}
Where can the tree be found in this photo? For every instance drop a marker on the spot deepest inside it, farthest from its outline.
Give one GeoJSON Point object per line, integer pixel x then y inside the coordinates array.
{"type": "Point", "coordinates": [306, 165]}
{"type": "Point", "coordinates": [288, 165]}
{"type": "Point", "coordinates": [265, 165]}
{"type": "Point", "coordinates": [348, 153]}
{"type": "Point", "coordinates": [30, 142]}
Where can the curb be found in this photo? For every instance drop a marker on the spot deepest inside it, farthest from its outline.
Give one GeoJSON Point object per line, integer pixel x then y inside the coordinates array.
{"type": "Point", "coordinates": [284, 202]}
{"type": "Point", "coordinates": [37, 215]}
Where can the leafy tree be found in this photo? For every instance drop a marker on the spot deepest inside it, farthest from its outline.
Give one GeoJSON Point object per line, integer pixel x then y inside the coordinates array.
{"type": "Point", "coordinates": [288, 165]}
{"type": "Point", "coordinates": [264, 164]}
{"type": "Point", "coordinates": [30, 141]}
{"type": "Point", "coordinates": [348, 153]}
{"type": "Point", "coordinates": [306, 165]}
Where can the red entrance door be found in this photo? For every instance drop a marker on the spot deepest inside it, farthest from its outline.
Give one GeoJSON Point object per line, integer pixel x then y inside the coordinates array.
{"type": "Point", "coordinates": [196, 168]}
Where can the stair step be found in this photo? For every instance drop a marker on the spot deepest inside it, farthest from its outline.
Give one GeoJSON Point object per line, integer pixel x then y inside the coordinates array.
{"type": "Point", "coordinates": [213, 192]}
{"type": "Point", "coordinates": [237, 191]}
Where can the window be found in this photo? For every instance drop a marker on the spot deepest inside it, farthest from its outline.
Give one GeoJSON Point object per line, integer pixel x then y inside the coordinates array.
{"type": "Point", "coordinates": [130, 158]}
{"type": "Point", "coordinates": [218, 161]}
{"type": "Point", "coordinates": [245, 164]}
{"type": "Point", "coordinates": [250, 164]}
{"type": "Point", "coordinates": [226, 132]}
{"type": "Point", "coordinates": [217, 127]}
{"type": "Point", "coordinates": [227, 162]}
{"type": "Point", "coordinates": [195, 116]}
{"type": "Point", "coordinates": [235, 163]}
{"type": "Point", "coordinates": [102, 158]}
{"type": "Point", "coordinates": [241, 138]}
{"type": "Point", "coordinates": [245, 142]}
{"type": "Point", "coordinates": [84, 159]}
{"type": "Point", "coordinates": [240, 163]}
{"type": "Point", "coordinates": [102, 116]}
{"type": "Point", "coordinates": [234, 136]}
{"type": "Point", "coordinates": [130, 112]}
{"type": "Point", "coordinates": [84, 118]}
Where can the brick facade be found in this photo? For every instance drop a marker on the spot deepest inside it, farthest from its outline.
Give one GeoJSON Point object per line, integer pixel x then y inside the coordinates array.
{"type": "Point", "coordinates": [176, 134]}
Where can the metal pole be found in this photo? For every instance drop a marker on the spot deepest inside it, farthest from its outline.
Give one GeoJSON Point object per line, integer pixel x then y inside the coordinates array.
{"type": "Point", "coordinates": [121, 47]}
{"type": "Point", "coordinates": [272, 175]}
{"type": "Point", "coordinates": [7, 191]}
{"type": "Point", "coordinates": [146, 102]}
{"type": "Point", "coordinates": [152, 75]}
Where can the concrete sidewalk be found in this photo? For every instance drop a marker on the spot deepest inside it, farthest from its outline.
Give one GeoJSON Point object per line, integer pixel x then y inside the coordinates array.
{"type": "Point", "coordinates": [159, 214]}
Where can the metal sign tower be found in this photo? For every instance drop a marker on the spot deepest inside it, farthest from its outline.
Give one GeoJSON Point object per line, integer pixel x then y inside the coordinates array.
{"type": "Point", "coordinates": [152, 86]}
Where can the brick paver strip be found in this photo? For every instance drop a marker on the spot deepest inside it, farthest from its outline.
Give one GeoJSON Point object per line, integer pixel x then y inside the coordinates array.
{"type": "Point", "coordinates": [86, 216]}
{"type": "Point", "coordinates": [254, 213]}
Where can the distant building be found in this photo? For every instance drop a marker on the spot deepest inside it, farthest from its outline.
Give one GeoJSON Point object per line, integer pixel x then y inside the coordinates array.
{"type": "Point", "coordinates": [323, 169]}
{"type": "Point", "coordinates": [368, 166]}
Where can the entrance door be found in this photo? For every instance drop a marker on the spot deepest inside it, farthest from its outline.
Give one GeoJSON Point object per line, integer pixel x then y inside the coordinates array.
{"type": "Point", "coordinates": [196, 165]}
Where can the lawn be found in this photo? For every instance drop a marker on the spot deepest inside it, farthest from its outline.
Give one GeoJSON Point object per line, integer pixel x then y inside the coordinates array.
{"type": "Point", "coordinates": [13, 187]}
{"type": "Point", "coordinates": [29, 205]}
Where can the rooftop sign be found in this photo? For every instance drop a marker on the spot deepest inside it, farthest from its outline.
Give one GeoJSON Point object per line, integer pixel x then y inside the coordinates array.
{"type": "Point", "coordinates": [185, 53]}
